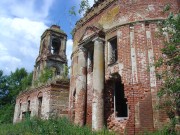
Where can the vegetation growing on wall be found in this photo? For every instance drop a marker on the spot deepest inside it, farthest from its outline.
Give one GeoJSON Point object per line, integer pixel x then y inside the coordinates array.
{"type": "Point", "coordinates": [169, 93]}
{"type": "Point", "coordinates": [46, 75]}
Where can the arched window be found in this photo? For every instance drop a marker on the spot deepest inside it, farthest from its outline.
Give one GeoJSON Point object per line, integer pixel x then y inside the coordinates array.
{"type": "Point", "coordinates": [27, 113]}
{"type": "Point", "coordinates": [55, 47]}
{"type": "Point", "coordinates": [40, 99]}
{"type": "Point", "coordinates": [112, 51]}
{"type": "Point", "coordinates": [28, 104]}
{"type": "Point", "coordinates": [120, 107]}
{"type": "Point", "coordinates": [120, 102]}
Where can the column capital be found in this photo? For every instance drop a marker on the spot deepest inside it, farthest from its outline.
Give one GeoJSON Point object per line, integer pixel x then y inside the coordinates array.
{"type": "Point", "coordinates": [98, 39]}
{"type": "Point", "coordinates": [82, 49]}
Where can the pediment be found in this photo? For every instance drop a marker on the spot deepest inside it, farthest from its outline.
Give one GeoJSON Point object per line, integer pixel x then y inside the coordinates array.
{"type": "Point", "coordinates": [89, 32]}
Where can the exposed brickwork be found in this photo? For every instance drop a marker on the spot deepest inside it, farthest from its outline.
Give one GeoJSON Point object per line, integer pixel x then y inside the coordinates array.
{"type": "Point", "coordinates": [134, 23]}
{"type": "Point", "coordinates": [89, 99]}
{"type": "Point", "coordinates": [54, 101]}
{"type": "Point", "coordinates": [59, 101]}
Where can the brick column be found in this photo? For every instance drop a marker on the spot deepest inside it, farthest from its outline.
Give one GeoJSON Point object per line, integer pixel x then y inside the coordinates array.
{"type": "Point", "coordinates": [98, 86]}
{"type": "Point", "coordinates": [81, 88]}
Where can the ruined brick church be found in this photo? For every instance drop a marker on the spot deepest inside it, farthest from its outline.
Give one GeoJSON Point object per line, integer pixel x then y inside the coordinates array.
{"type": "Point", "coordinates": [112, 80]}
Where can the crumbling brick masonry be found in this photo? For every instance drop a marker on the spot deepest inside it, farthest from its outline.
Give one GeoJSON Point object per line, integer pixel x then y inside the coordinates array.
{"type": "Point", "coordinates": [113, 80]}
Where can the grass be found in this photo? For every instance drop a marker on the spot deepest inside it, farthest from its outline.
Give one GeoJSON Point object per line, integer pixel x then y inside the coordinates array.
{"type": "Point", "coordinates": [164, 131]}
{"type": "Point", "coordinates": [59, 126]}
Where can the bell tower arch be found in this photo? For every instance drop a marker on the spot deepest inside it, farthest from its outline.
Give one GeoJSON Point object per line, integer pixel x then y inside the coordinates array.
{"type": "Point", "coordinates": [52, 51]}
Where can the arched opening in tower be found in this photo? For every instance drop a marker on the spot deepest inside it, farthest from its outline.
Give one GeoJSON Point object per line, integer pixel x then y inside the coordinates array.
{"type": "Point", "coordinates": [55, 47]}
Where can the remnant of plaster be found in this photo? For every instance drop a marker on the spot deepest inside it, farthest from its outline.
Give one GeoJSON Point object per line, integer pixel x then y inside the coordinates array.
{"type": "Point", "coordinates": [133, 57]}
{"type": "Point", "coordinates": [151, 60]}
{"type": "Point", "coordinates": [121, 66]}
{"type": "Point", "coordinates": [98, 86]}
{"type": "Point", "coordinates": [151, 7]}
{"type": "Point", "coordinates": [119, 34]}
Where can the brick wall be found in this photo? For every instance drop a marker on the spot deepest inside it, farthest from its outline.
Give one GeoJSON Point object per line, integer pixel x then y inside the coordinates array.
{"type": "Point", "coordinates": [55, 100]}
{"type": "Point", "coordinates": [134, 23]}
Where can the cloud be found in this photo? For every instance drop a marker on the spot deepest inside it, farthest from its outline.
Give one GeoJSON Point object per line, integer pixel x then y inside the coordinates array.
{"type": "Point", "coordinates": [19, 43]}
{"type": "Point", "coordinates": [69, 50]}
{"type": "Point", "coordinates": [13, 63]}
{"type": "Point", "coordinates": [91, 2]}
{"type": "Point", "coordinates": [22, 22]}
{"type": "Point", "coordinates": [32, 9]}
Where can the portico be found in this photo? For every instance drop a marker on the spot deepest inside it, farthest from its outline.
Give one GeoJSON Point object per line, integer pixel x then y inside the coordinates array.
{"type": "Point", "coordinates": [90, 61]}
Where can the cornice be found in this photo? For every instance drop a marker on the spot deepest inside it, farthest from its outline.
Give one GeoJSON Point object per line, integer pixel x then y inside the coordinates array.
{"type": "Point", "coordinates": [53, 31]}
{"type": "Point", "coordinates": [96, 9]}
{"type": "Point", "coordinates": [132, 23]}
{"type": "Point", "coordinates": [51, 85]}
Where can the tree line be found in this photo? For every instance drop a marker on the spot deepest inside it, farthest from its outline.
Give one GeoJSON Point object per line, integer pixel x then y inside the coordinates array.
{"type": "Point", "coordinates": [10, 86]}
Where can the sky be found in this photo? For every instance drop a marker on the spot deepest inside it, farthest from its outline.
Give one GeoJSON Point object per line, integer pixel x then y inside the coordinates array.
{"type": "Point", "coordinates": [22, 22]}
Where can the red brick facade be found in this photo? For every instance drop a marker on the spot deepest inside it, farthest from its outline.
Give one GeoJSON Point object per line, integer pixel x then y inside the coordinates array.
{"type": "Point", "coordinates": [134, 24]}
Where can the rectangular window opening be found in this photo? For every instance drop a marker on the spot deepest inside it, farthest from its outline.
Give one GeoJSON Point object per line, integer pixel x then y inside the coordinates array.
{"type": "Point", "coordinates": [39, 106]}
{"type": "Point", "coordinates": [56, 45]}
{"type": "Point", "coordinates": [121, 108]}
{"type": "Point", "coordinates": [112, 51]}
{"type": "Point", "coordinates": [91, 60]}
{"type": "Point", "coordinates": [28, 107]}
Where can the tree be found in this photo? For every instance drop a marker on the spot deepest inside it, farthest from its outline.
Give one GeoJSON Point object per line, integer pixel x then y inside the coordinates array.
{"type": "Point", "coordinates": [169, 93]}
{"type": "Point", "coordinates": [3, 86]}
{"type": "Point", "coordinates": [10, 86]}
{"type": "Point", "coordinates": [84, 6]}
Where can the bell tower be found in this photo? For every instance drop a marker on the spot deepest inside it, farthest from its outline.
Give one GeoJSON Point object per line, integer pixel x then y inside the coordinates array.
{"type": "Point", "coordinates": [52, 52]}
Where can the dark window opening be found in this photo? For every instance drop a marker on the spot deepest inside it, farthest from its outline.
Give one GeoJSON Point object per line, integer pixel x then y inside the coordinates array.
{"type": "Point", "coordinates": [58, 73]}
{"type": "Point", "coordinates": [74, 100]}
{"type": "Point", "coordinates": [91, 60]}
{"type": "Point", "coordinates": [113, 54]}
{"type": "Point", "coordinates": [26, 115]}
{"type": "Point", "coordinates": [121, 108]}
{"type": "Point", "coordinates": [28, 107]}
{"type": "Point", "coordinates": [39, 106]}
{"type": "Point", "coordinates": [56, 43]}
